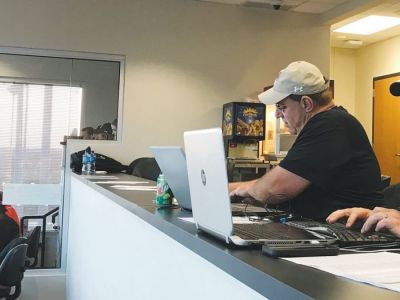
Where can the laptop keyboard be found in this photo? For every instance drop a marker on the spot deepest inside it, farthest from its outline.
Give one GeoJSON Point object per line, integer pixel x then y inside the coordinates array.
{"type": "Point", "coordinates": [252, 231]}
{"type": "Point", "coordinates": [270, 231]}
{"type": "Point", "coordinates": [241, 209]}
{"type": "Point", "coordinates": [346, 237]}
{"type": "Point", "coordinates": [274, 210]}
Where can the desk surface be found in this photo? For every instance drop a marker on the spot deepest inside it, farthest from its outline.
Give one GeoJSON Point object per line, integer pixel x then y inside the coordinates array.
{"type": "Point", "coordinates": [273, 278]}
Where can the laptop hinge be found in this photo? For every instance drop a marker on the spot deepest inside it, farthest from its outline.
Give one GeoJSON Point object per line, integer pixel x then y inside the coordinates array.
{"type": "Point", "coordinates": [212, 232]}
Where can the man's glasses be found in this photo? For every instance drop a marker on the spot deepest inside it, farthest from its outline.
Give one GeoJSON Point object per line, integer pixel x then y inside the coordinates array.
{"type": "Point", "coordinates": [280, 107]}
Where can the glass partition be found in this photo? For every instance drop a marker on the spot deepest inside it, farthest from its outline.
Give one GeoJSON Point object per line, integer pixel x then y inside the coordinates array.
{"type": "Point", "coordinates": [48, 96]}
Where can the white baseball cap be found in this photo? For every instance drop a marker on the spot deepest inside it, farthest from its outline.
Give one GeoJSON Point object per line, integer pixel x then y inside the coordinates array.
{"type": "Point", "coordinates": [298, 78]}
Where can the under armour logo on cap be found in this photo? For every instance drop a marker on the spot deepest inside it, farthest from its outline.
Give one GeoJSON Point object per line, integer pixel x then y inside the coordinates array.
{"type": "Point", "coordinates": [298, 78]}
{"type": "Point", "coordinates": [297, 89]}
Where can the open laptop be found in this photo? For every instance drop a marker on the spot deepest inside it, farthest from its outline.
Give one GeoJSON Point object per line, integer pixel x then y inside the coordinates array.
{"type": "Point", "coordinates": [172, 162]}
{"type": "Point", "coordinates": [208, 182]}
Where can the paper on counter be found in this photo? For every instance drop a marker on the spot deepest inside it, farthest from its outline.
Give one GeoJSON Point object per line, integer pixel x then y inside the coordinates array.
{"type": "Point", "coordinates": [135, 187]}
{"type": "Point", "coordinates": [380, 269]}
{"type": "Point", "coordinates": [236, 220]}
{"type": "Point", "coordinates": [100, 176]}
{"type": "Point", "coordinates": [122, 182]}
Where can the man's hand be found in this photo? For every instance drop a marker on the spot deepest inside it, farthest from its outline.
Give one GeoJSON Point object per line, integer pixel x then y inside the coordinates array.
{"type": "Point", "coordinates": [383, 219]}
{"type": "Point", "coordinates": [377, 219]}
{"type": "Point", "coordinates": [243, 189]}
{"type": "Point", "coordinates": [352, 214]}
{"type": "Point", "coordinates": [240, 188]}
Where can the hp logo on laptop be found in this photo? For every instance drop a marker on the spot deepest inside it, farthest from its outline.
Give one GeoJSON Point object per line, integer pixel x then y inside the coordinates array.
{"type": "Point", "coordinates": [203, 177]}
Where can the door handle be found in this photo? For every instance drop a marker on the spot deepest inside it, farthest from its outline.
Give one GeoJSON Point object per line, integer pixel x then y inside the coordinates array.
{"type": "Point", "coordinates": [397, 154]}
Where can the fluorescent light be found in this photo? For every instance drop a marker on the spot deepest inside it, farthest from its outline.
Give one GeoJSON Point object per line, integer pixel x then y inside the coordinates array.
{"type": "Point", "coordinates": [369, 25]}
{"type": "Point", "coordinates": [354, 42]}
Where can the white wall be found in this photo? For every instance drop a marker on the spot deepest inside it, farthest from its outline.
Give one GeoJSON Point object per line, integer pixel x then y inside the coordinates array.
{"type": "Point", "coordinates": [354, 70]}
{"type": "Point", "coordinates": [130, 259]}
{"type": "Point", "coordinates": [375, 60]}
{"type": "Point", "coordinates": [343, 71]}
{"type": "Point", "coordinates": [184, 58]}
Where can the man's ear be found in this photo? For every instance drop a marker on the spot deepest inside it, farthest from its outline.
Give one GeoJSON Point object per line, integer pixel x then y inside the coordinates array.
{"type": "Point", "coordinates": [307, 103]}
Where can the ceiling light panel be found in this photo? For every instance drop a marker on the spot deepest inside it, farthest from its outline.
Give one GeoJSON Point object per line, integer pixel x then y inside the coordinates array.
{"type": "Point", "coordinates": [369, 25]}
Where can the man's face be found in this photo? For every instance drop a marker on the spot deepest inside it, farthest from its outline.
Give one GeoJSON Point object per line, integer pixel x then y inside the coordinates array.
{"type": "Point", "coordinates": [292, 114]}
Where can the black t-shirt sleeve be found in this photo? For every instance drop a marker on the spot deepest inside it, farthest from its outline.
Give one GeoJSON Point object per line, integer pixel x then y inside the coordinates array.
{"type": "Point", "coordinates": [320, 150]}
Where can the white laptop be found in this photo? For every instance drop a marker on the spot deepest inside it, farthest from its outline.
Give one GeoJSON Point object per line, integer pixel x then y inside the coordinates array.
{"type": "Point", "coordinates": [208, 182]}
{"type": "Point", "coordinates": [172, 163]}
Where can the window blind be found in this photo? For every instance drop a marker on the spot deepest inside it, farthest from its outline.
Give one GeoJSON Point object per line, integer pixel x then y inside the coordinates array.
{"type": "Point", "coordinates": [34, 119]}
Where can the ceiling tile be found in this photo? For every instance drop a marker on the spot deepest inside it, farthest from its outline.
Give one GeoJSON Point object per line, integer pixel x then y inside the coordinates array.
{"type": "Point", "coordinates": [315, 7]}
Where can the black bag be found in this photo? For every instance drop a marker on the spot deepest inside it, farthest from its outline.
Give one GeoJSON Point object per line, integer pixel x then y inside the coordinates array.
{"type": "Point", "coordinates": [103, 163]}
{"type": "Point", "coordinates": [144, 167]}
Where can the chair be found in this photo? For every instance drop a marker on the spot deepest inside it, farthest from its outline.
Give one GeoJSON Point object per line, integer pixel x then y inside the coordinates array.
{"type": "Point", "coordinates": [43, 218]}
{"type": "Point", "coordinates": [33, 247]}
{"type": "Point", "coordinates": [9, 230]}
{"type": "Point", "coordinates": [13, 243]}
{"type": "Point", "coordinates": [391, 196]}
{"type": "Point", "coordinates": [144, 167]}
{"type": "Point", "coordinates": [385, 182]}
{"type": "Point", "coordinates": [12, 270]}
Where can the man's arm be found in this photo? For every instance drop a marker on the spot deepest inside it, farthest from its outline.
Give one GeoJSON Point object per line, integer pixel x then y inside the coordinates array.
{"type": "Point", "coordinates": [276, 186]}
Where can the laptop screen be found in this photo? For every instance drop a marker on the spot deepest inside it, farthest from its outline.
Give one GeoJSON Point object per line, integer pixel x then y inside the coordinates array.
{"type": "Point", "coordinates": [208, 181]}
{"type": "Point", "coordinates": [172, 162]}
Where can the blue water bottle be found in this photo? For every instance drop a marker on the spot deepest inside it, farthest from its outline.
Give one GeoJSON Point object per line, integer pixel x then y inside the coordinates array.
{"type": "Point", "coordinates": [92, 164]}
{"type": "Point", "coordinates": [85, 161]}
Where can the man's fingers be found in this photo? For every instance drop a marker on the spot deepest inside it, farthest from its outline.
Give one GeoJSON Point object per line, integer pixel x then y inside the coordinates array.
{"type": "Point", "coordinates": [352, 218]}
{"type": "Point", "coordinates": [372, 221]}
{"type": "Point", "coordinates": [336, 215]}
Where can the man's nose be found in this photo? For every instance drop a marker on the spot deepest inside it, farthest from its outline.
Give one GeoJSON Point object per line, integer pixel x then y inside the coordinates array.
{"type": "Point", "coordinates": [278, 114]}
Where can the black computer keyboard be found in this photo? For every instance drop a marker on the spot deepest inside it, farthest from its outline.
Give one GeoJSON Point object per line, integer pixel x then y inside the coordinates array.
{"type": "Point", "coordinates": [346, 237]}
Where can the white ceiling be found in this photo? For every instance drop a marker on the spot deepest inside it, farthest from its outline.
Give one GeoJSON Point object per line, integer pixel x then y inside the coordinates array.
{"type": "Point", "coordinates": [384, 8]}
{"type": "Point", "coordinates": [304, 6]}
{"type": "Point", "coordinates": [334, 12]}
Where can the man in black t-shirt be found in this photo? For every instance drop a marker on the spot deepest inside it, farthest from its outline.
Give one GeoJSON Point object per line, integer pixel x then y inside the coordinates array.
{"type": "Point", "coordinates": [330, 166]}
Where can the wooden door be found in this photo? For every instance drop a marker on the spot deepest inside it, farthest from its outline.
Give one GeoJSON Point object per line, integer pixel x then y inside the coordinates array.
{"type": "Point", "coordinates": [386, 127]}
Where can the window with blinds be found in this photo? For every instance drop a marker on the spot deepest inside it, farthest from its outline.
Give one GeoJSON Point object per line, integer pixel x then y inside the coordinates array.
{"type": "Point", "coordinates": [34, 119]}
